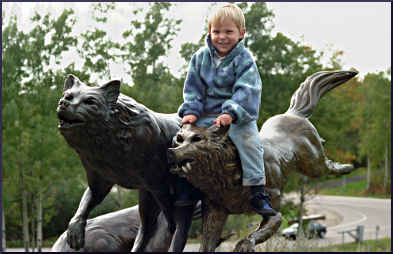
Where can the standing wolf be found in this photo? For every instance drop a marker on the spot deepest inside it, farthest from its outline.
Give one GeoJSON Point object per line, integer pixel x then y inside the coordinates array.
{"type": "Point", "coordinates": [119, 141]}
{"type": "Point", "coordinates": [209, 160]}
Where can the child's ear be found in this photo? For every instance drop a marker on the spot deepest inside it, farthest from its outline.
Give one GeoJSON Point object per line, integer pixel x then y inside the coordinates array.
{"type": "Point", "coordinates": [242, 33]}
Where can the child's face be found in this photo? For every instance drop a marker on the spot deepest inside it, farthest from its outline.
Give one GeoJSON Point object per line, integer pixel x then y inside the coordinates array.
{"type": "Point", "coordinates": [225, 35]}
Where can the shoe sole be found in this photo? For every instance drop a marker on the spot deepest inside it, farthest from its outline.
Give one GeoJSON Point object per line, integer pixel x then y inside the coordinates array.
{"type": "Point", "coordinates": [185, 203]}
{"type": "Point", "coordinates": [266, 213]}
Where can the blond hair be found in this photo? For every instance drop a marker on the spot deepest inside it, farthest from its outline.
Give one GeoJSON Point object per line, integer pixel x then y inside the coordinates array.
{"type": "Point", "coordinates": [231, 11]}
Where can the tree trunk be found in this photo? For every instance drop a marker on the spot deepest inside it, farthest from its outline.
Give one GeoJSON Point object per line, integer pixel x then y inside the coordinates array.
{"type": "Point", "coordinates": [388, 128]}
{"type": "Point", "coordinates": [3, 242]}
{"type": "Point", "coordinates": [26, 237]}
{"type": "Point", "coordinates": [39, 220]}
{"type": "Point", "coordinates": [32, 224]}
{"type": "Point", "coordinates": [368, 173]}
{"type": "Point", "coordinates": [385, 182]}
{"type": "Point", "coordinates": [300, 233]}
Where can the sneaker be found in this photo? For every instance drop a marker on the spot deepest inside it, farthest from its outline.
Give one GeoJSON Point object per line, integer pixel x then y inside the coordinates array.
{"type": "Point", "coordinates": [260, 202]}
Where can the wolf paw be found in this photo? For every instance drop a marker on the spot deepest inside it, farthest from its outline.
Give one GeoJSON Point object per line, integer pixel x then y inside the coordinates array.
{"type": "Point", "coordinates": [245, 245]}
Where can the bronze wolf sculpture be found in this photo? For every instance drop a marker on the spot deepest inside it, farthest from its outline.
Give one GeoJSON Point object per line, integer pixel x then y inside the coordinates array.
{"type": "Point", "coordinates": [119, 141]}
{"type": "Point", "coordinates": [209, 160]}
{"type": "Point", "coordinates": [115, 232]}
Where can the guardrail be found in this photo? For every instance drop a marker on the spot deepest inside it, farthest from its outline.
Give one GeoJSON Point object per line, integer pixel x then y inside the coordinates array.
{"type": "Point", "coordinates": [357, 233]}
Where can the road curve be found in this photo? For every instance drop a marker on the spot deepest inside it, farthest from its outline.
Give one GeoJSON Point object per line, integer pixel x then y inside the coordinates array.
{"type": "Point", "coordinates": [351, 212]}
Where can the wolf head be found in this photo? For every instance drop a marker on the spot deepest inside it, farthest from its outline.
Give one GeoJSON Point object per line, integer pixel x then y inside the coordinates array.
{"type": "Point", "coordinates": [81, 105]}
{"type": "Point", "coordinates": [201, 152]}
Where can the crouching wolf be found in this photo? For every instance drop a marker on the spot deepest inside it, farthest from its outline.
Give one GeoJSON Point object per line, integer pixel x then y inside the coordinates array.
{"type": "Point", "coordinates": [115, 232]}
{"type": "Point", "coordinates": [119, 141]}
{"type": "Point", "coordinates": [209, 160]}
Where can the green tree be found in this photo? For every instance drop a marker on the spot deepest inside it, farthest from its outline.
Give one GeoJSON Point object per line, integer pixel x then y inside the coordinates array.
{"type": "Point", "coordinates": [96, 49]}
{"type": "Point", "coordinates": [147, 43]}
{"type": "Point", "coordinates": [375, 131]}
{"type": "Point", "coordinates": [336, 121]}
{"type": "Point", "coordinates": [29, 103]}
{"type": "Point", "coordinates": [283, 63]}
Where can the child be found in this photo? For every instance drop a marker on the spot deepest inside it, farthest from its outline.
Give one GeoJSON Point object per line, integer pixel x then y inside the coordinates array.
{"type": "Point", "coordinates": [223, 87]}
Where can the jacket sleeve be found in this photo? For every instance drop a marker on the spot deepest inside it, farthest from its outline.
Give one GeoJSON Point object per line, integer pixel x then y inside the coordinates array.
{"type": "Point", "coordinates": [194, 91]}
{"type": "Point", "coordinates": [245, 101]}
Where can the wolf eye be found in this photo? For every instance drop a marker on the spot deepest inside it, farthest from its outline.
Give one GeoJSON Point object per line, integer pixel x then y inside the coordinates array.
{"type": "Point", "coordinates": [69, 97]}
{"type": "Point", "coordinates": [179, 139]}
{"type": "Point", "coordinates": [196, 139]}
{"type": "Point", "coordinates": [89, 101]}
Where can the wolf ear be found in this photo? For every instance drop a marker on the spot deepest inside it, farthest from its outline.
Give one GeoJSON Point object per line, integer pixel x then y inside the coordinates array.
{"type": "Point", "coordinates": [70, 82]}
{"type": "Point", "coordinates": [111, 91]}
{"type": "Point", "coordinates": [218, 131]}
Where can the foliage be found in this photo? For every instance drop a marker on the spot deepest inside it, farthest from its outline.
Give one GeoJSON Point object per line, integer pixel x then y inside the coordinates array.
{"type": "Point", "coordinates": [29, 100]}
{"type": "Point", "coordinates": [335, 117]}
{"type": "Point", "coordinates": [147, 42]}
{"type": "Point", "coordinates": [375, 134]}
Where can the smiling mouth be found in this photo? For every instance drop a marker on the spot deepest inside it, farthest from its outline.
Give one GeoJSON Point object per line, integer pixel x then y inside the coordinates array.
{"type": "Point", "coordinates": [184, 166]}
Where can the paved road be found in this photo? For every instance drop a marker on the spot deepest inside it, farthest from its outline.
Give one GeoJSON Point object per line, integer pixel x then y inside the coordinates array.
{"type": "Point", "coordinates": [351, 212]}
{"type": "Point", "coordinates": [342, 213]}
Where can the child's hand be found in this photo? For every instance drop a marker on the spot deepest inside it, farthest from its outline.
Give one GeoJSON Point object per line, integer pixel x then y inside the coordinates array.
{"type": "Point", "coordinates": [188, 119]}
{"type": "Point", "coordinates": [224, 120]}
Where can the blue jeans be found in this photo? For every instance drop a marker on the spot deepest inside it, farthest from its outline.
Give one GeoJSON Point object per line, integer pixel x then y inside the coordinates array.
{"type": "Point", "coordinates": [249, 146]}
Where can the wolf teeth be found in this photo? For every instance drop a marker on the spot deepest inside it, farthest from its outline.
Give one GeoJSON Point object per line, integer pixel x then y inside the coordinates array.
{"type": "Point", "coordinates": [175, 169]}
{"type": "Point", "coordinates": [185, 170]}
{"type": "Point", "coordinates": [188, 165]}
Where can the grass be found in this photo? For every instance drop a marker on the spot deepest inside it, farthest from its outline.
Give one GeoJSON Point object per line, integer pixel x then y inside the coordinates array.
{"type": "Point", "coordinates": [280, 245]}
{"type": "Point", "coordinates": [352, 189]}
{"type": "Point", "coordinates": [381, 245]}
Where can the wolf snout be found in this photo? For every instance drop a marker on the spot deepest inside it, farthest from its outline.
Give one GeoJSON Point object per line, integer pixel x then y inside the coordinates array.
{"type": "Point", "coordinates": [63, 104]}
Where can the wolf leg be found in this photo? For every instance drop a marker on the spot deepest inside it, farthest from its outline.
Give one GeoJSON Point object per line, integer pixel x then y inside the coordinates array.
{"type": "Point", "coordinates": [267, 228]}
{"type": "Point", "coordinates": [148, 212]}
{"type": "Point", "coordinates": [183, 219]}
{"type": "Point", "coordinates": [213, 221]}
{"type": "Point", "coordinates": [92, 196]}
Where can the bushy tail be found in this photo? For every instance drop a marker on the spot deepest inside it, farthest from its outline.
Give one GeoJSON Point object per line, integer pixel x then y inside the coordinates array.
{"type": "Point", "coordinates": [307, 96]}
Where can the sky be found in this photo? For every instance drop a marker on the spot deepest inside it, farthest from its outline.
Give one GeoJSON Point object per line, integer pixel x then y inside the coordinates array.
{"type": "Point", "coordinates": [361, 29]}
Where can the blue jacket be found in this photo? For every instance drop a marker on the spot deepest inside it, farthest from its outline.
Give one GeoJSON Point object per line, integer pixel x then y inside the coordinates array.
{"type": "Point", "coordinates": [234, 87]}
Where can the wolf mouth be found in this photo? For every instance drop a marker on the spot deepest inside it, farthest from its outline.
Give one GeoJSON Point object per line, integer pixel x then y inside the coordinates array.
{"type": "Point", "coordinates": [67, 123]}
{"type": "Point", "coordinates": [182, 166]}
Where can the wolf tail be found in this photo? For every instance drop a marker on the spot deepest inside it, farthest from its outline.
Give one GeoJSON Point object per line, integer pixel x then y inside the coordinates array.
{"type": "Point", "coordinates": [307, 96]}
